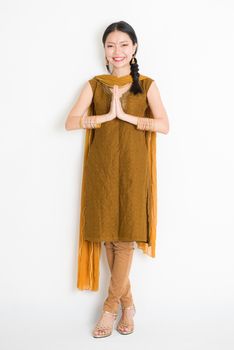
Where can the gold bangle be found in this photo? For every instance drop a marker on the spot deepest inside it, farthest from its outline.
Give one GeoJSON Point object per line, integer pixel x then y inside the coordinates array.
{"type": "Point", "coordinates": [95, 121]}
{"type": "Point", "coordinates": [91, 123]}
{"type": "Point", "coordinates": [145, 124]}
{"type": "Point", "coordinates": [140, 125]}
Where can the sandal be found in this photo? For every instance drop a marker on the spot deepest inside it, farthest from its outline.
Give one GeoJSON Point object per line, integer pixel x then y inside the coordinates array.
{"type": "Point", "coordinates": [126, 324]}
{"type": "Point", "coordinates": [104, 325]}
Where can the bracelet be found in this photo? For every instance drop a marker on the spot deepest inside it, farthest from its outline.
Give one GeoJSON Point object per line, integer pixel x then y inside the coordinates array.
{"type": "Point", "coordinates": [145, 124]}
{"type": "Point", "coordinates": [90, 122]}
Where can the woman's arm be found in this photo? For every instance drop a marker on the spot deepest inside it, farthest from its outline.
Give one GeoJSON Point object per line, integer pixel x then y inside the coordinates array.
{"type": "Point", "coordinates": [78, 119]}
{"type": "Point", "coordinates": [160, 122]}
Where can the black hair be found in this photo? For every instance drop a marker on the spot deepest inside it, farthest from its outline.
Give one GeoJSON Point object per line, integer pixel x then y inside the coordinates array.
{"type": "Point", "coordinates": [126, 28]}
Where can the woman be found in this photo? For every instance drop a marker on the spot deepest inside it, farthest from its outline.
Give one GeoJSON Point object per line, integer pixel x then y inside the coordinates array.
{"type": "Point", "coordinates": [121, 112]}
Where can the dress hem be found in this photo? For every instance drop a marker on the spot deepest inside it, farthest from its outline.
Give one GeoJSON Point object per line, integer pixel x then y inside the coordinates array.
{"type": "Point", "coordinates": [116, 239]}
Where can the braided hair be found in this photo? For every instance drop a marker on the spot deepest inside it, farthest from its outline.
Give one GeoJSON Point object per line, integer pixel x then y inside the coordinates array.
{"type": "Point", "coordinates": [126, 28]}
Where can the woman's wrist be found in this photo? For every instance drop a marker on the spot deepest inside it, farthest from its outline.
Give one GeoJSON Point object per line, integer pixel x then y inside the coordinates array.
{"type": "Point", "coordinates": [94, 121]}
{"type": "Point", "coordinates": [90, 122]}
{"type": "Point", "coordinates": [148, 124]}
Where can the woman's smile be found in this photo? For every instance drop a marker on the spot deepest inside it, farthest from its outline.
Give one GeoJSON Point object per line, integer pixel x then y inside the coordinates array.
{"type": "Point", "coordinates": [118, 59]}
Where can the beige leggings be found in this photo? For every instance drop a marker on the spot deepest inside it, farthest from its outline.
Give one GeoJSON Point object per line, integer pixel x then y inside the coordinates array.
{"type": "Point", "coordinates": [119, 256]}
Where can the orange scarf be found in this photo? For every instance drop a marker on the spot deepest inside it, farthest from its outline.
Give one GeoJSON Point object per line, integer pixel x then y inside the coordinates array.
{"type": "Point", "coordinates": [89, 252]}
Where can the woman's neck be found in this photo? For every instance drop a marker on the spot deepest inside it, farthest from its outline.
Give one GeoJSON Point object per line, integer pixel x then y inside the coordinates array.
{"type": "Point", "coordinates": [121, 73]}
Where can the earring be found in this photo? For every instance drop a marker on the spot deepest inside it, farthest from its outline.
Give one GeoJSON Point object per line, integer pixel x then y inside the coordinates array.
{"type": "Point", "coordinates": [107, 65]}
{"type": "Point", "coordinates": [133, 60]}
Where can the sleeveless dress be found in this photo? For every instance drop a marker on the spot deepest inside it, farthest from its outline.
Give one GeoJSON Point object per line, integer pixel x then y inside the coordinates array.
{"type": "Point", "coordinates": [117, 171]}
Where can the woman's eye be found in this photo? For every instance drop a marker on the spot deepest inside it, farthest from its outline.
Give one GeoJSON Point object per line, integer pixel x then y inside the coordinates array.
{"type": "Point", "coordinates": [111, 45]}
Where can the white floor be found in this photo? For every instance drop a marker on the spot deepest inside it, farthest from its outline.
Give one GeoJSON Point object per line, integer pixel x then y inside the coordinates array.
{"type": "Point", "coordinates": [164, 327]}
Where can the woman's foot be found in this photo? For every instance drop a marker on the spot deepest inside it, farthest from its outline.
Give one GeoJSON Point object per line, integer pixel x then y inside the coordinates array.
{"type": "Point", "coordinates": [104, 325]}
{"type": "Point", "coordinates": [126, 324]}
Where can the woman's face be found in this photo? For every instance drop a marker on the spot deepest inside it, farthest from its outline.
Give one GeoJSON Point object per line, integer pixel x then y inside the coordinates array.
{"type": "Point", "coordinates": [119, 49]}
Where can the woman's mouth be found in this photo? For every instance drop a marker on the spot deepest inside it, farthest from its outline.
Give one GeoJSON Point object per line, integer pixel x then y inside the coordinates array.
{"type": "Point", "coordinates": [118, 59]}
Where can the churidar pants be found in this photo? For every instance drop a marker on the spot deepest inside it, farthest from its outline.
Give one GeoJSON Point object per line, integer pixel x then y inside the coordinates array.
{"type": "Point", "coordinates": [119, 256]}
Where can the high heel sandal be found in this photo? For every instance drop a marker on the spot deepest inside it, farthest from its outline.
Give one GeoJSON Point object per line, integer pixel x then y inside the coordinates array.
{"type": "Point", "coordinates": [104, 325]}
{"type": "Point", "coordinates": [127, 327]}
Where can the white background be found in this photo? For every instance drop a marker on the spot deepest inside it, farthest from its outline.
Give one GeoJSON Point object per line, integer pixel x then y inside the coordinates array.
{"type": "Point", "coordinates": [185, 296]}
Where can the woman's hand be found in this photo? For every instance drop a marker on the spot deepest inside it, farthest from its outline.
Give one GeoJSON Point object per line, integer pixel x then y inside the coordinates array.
{"type": "Point", "coordinates": [112, 113]}
{"type": "Point", "coordinates": [118, 107]}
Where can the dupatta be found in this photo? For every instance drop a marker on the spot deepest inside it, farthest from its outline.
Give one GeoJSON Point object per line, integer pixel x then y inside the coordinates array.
{"type": "Point", "coordinates": [89, 252]}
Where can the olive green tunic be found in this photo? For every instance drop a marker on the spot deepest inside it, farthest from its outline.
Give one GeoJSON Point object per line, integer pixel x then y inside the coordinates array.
{"type": "Point", "coordinates": [117, 173]}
